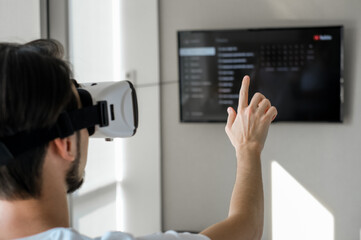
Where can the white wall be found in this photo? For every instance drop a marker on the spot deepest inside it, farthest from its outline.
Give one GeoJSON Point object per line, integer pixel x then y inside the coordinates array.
{"type": "Point", "coordinates": [19, 20]}
{"type": "Point", "coordinates": [198, 160]}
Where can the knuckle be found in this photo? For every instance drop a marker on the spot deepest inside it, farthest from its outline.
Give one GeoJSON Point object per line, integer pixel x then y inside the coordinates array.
{"type": "Point", "coordinates": [268, 102]}
{"type": "Point", "coordinates": [265, 103]}
{"type": "Point", "coordinates": [274, 109]}
{"type": "Point", "coordinates": [273, 112]}
{"type": "Point", "coordinates": [258, 95]}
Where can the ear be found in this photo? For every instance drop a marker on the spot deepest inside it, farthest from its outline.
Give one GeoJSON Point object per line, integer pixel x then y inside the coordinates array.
{"type": "Point", "coordinates": [66, 147]}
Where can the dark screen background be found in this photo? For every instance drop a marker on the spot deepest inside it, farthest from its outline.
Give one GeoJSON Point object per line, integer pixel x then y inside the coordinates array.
{"type": "Point", "coordinates": [298, 69]}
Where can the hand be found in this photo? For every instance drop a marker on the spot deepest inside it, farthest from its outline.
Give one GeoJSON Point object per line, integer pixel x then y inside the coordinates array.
{"type": "Point", "coordinates": [249, 127]}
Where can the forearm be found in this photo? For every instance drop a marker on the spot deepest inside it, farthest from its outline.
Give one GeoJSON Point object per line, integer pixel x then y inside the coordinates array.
{"type": "Point", "coordinates": [245, 219]}
{"type": "Point", "coordinates": [247, 202]}
{"type": "Point", "coordinates": [248, 187]}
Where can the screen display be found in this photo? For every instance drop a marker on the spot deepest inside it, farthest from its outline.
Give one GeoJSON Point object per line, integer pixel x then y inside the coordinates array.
{"type": "Point", "coordinates": [298, 69]}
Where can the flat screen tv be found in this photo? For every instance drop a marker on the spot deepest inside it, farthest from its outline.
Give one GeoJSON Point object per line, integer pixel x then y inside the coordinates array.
{"type": "Point", "coordinates": [298, 69]}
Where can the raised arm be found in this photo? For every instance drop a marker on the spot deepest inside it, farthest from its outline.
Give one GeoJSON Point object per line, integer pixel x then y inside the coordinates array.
{"type": "Point", "coordinates": [247, 130]}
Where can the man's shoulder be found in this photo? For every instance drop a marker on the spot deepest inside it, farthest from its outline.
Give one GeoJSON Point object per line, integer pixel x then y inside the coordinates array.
{"type": "Point", "coordinates": [172, 235]}
{"type": "Point", "coordinates": [71, 234]}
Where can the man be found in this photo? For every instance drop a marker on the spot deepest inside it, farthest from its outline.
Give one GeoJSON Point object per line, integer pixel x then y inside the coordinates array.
{"type": "Point", "coordinates": [36, 173]}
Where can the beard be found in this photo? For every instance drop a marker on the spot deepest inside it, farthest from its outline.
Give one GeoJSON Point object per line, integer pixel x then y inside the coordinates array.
{"type": "Point", "coordinates": [74, 179]}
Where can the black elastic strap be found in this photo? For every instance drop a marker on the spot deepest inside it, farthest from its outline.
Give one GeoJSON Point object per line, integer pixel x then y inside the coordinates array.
{"type": "Point", "coordinates": [88, 117]}
{"type": "Point", "coordinates": [66, 125]}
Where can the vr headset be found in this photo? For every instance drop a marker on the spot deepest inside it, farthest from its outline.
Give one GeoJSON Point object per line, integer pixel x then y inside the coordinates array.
{"type": "Point", "coordinates": [116, 109]}
{"type": "Point", "coordinates": [109, 110]}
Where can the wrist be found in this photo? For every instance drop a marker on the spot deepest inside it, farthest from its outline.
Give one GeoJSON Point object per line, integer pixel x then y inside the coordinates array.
{"type": "Point", "coordinates": [249, 149]}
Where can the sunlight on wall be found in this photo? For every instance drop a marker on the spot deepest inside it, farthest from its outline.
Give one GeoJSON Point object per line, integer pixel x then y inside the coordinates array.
{"type": "Point", "coordinates": [296, 214]}
{"type": "Point", "coordinates": [120, 149]}
{"type": "Point", "coordinates": [95, 51]}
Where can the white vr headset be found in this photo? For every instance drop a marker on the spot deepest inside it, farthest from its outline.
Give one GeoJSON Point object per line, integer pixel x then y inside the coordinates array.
{"type": "Point", "coordinates": [109, 110]}
{"type": "Point", "coordinates": [119, 111]}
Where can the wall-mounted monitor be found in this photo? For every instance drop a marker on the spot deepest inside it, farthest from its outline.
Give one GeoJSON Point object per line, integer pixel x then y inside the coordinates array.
{"type": "Point", "coordinates": [298, 69]}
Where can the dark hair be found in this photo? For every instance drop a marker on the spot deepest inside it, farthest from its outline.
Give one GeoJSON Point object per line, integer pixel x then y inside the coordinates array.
{"type": "Point", "coordinates": [49, 47]}
{"type": "Point", "coordinates": [35, 88]}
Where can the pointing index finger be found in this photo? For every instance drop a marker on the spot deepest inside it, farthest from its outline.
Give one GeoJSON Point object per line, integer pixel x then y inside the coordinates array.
{"type": "Point", "coordinates": [243, 93]}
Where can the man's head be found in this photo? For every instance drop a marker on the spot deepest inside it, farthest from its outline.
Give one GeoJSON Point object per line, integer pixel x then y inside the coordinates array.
{"type": "Point", "coordinates": [35, 88]}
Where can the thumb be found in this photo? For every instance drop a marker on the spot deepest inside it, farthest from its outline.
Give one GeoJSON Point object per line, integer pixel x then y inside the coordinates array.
{"type": "Point", "coordinates": [231, 117]}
